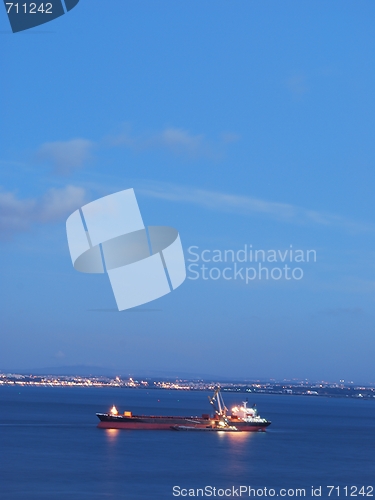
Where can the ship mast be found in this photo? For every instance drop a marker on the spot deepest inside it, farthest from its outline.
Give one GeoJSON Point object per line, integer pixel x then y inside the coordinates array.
{"type": "Point", "coordinates": [218, 403]}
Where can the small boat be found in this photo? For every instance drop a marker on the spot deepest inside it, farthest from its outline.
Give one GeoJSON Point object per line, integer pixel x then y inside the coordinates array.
{"type": "Point", "coordinates": [229, 428]}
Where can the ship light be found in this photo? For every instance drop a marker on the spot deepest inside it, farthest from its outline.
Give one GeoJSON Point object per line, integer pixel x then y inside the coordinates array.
{"type": "Point", "coordinates": [114, 410]}
{"type": "Point", "coordinates": [221, 423]}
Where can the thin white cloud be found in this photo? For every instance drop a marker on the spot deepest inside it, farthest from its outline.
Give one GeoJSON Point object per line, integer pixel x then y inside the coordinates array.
{"type": "Point", "coordinates": [229, 137]}
{"type": "Point", "coordinates": [181, 141]}
{"type": "Point", "coordinates": [18, 214]}
{"type": "Point", "coordinates": [343, 311]}
{"type": "Point", "coordinates": [175, 140]}
{"type": "Point", "coordinates": [66, 156]}
{"type": "Point", "coordinates": [13, 163]}
{"type": "Point", "coordinates": [248, 205]}
{"type": "Point", "coordinates": [297, 84]}
{"type": "Point", "coordinates": [14, 213]}
{"type": "Point", "coordinates": [57, 203]}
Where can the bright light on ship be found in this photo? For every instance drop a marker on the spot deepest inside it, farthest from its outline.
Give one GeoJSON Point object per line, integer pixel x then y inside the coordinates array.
{"type": "Point", "coordinates": [114, 410]}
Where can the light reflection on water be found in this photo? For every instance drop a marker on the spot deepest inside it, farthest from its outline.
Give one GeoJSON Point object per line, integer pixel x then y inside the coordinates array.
{"type": "Point", "coordinates": [111, 435]}
{"type": "Point", "coordinates": [236, 446]}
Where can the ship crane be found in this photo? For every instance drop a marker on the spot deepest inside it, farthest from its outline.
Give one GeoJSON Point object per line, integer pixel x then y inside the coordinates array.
{"type": "Point", "coordinates": [220, 409]}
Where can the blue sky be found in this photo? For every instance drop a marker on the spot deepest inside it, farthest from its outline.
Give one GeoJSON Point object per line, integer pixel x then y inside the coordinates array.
{"type": "Point", "coordinates": [235, 122]}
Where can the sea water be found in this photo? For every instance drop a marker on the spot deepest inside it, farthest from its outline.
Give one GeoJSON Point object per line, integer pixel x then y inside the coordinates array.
{"type": "Point", "coordinates": [51, 448]}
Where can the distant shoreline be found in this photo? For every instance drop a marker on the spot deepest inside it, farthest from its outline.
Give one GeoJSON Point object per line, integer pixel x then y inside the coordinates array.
{"type": "Point", "coordinates": [288, 388]}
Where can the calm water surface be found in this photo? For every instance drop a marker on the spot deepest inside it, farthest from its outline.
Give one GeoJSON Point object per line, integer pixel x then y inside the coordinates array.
{"type": "Point", "coordinates": [51, 448]}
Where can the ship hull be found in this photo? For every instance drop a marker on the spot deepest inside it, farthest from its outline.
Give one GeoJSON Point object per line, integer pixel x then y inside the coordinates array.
{"type": "Point", "coordinates": [167, 423]}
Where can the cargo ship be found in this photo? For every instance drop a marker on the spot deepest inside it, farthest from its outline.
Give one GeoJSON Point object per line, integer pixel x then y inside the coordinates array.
{"type": "Point", "coordinates": [241, 418]}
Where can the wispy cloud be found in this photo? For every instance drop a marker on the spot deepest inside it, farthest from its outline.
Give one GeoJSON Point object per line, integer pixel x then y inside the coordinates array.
{"type": "Point", "coordinates": [178, 141]}
{"type": "Point", "coordinates": [248, 205]}
{"type": "Point", "coordinates": [229, 137]}
{"type": "Point", "coordinates": [13, 163]}
{"type": "Point", "coordinates": [297, 84]}
{"type": "Point", "coordinates": [66, 156]}
{"type": "Point", "coordinates": [181, 141]}
{"type": "Point", "coordinates": [57, 203]}
{"type": "Point", "coordinates": [18, 214]}
{"type": "Point", "coordinates": [14, 213]}
{"type": "Point", "coordinates": [343, 311]}
{"type": "Point", "coordinates": [300, 83]}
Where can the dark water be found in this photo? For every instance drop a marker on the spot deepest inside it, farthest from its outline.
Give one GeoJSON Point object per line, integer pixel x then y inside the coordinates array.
{"type": "Point", "coordinates": [51, 449]}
